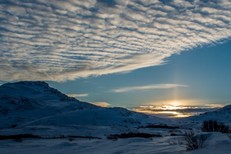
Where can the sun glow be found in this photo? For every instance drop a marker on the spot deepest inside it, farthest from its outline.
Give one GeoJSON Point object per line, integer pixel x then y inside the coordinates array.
{"type": "Point", "coordinates": [173, 105]}
{"type": "Point", "coordinates": [175, 108]}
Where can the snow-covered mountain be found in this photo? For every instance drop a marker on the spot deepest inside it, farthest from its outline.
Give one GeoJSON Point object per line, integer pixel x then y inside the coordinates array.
{"type": "Point", "coordinates": [36, 103]}
{"type": "Point", "coordinates": [220, 115]}
{"type": "Point", "coordinates": [26, 101]}
{"type": "Point", "coordinates": [37, 93]}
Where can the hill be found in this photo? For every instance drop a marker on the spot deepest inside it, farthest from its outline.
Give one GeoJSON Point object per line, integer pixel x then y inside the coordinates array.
{"type": "Point", "coordinates": [36, 103]}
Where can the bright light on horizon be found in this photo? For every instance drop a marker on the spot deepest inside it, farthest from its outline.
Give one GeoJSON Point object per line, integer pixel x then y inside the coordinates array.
{"type": "Point", "coordinates": [179, 103]}
{"type": "Point", "coordinates": [176, 109]}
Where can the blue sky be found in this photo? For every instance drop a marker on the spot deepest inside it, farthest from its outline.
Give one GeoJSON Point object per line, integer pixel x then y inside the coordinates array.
{"type": "Point", "coordinates": [120, 52]}
{"type": "Point", "coordinates": [205, 71]}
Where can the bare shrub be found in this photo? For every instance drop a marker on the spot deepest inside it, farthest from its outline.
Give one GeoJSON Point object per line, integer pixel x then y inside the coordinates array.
{"type": "Point", "coordinates": [194, 141]}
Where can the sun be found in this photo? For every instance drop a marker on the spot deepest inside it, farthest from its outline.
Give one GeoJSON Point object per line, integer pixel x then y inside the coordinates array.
{"type": "Point", "coordinates": [175, 103]}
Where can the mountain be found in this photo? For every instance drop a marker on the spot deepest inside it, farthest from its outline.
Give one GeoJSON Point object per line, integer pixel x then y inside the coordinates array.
{"type": "Point", "coordinates": [36, 103]}
{"type": "Point", "coordinates": [26, 101]}
{"type": "Point", "coordinates": [37, 93]}
{"type": "Point", "coordinates": [220, 115]}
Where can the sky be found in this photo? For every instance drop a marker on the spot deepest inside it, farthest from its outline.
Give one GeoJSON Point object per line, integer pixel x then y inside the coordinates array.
{"type": "Point", "coordinates": [198, 77]}
{"type": "Point", "coordinates": [125, 53]}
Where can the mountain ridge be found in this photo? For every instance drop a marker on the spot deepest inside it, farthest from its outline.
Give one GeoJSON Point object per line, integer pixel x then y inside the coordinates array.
{"type": "Point", "coordinates": [29, 100]}
{"type": "Point", "coordinates": [36, 103]}
{"type": "Point", "coordinates": [222, 115]}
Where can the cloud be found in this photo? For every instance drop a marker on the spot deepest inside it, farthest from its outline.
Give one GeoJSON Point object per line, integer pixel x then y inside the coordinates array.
{"type": "Point", "coordinates": [147, 87]}
{"type": "Point", "coordinates": [213, 105]}
{"type": "Point", "coordinates": [64, 40]}
{"type": "Point", "coordinates": [101, 104]}
{"type": "Point", "coordinates": [175, 111]}
{"type": "Point", "coordinates": [78, 95]}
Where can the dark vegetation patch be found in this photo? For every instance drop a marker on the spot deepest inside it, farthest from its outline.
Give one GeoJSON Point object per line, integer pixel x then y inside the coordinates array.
{"type": "Point", "coordinates": [214, 126]}
{"type": "Point", "coordinates": [132, 135]}
{"type": "Point", "coordinates": [176, 134]}
{"type": "Point", "coordinates": [72, 137]}
{"type": "Point", "coordinates": [163, 126]}
{"type": "Point", "coordinates": [19, 137]}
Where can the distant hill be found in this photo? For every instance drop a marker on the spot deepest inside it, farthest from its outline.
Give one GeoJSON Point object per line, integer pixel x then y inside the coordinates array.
{"type": "Point", "coordinates": [36, 103]}
{"type": "Point", "coordinates": [220, 115]}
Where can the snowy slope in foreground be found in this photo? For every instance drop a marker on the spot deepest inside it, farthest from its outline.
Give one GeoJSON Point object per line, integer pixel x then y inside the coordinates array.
{"type": "Point", "coordinates": [35, 103]}
{"type": "Point", "coordinates": [216, 144]}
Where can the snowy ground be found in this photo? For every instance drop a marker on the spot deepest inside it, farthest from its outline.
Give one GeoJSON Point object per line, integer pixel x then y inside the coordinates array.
{"type": "Point", "coordinates": [217, 143]}
{"type": "Point", "coordinates": [96, 146]}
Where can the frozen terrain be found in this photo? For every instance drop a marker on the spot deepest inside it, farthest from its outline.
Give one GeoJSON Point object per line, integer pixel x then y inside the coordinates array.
{"type": "Point", "coordinates": [36, 118]}
{"type": "Point", "coordinates": [217, 144]}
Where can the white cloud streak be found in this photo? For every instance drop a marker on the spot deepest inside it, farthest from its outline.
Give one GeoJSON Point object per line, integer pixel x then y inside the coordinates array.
{"type": "Point", "coordinates": [101, 104]}
{"type": "Point", "coordinates": [78, 95]}
{"type": "Point", "coordinates": [64, 40]}
{"type": "Point", "coordinates": [147, 87]}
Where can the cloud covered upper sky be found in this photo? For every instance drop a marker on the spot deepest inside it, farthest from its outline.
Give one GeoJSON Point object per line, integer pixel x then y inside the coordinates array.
{"type": "Point", "coordinates": [64, 40]}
